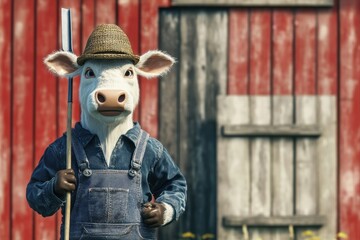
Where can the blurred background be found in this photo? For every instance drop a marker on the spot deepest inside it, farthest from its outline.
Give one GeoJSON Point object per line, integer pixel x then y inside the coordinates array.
{"type": "Point", "coordinates": [261, 111]}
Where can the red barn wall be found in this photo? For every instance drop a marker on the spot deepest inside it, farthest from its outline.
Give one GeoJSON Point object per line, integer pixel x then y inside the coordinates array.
{"type": "Point", "coordinates": [295, 51]}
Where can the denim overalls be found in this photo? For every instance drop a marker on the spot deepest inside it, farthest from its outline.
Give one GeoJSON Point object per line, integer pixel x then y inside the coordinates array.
{"type": "Point", "coordinates": [108, 202]}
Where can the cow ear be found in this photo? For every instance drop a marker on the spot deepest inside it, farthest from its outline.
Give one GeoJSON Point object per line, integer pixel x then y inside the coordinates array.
{"type": "Point", "coordinates": [62, 64]}
{"type": "Point", "coordinates": [154, 63]}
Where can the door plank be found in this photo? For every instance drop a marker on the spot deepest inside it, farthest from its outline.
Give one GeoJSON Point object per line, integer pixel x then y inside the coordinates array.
{"type": "Point", "coordinates": [260, 114]}
{"type": "Point", "coordinates": [306, 160]}
{"type": "Point", "coordinates": [260, 166]}
{"type": "Point", "coordinates": [327, 165]}
{"type": "Point", "coordinates": [169, 101]}
{"type": "Point", "coordinates": [233, 161]}
{"type": "Point", "coordinates": [202, 62]}
{"type": "Point", "coordinates": [282, 169]}
{"type": "Point", "coordinates": [282, 113]}
{"type": "Point", "coordinates": [327, 54]}
{"type": "Point", "coordinates": [305, 52]}
{"type": "Point", "coordinates": [277, 222]}
{"type": "Point", "coordinates": [238, 66]}
{"type": "Point", "coordinates": [276, 131]}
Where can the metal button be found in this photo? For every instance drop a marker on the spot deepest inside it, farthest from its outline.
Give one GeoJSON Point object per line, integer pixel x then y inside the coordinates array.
{"type": "Point", "coordinates": [87, 172]}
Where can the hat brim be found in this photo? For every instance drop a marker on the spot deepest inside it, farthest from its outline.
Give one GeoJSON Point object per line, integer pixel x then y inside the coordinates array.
{"type": "Point", "coordinates": [107, 56]}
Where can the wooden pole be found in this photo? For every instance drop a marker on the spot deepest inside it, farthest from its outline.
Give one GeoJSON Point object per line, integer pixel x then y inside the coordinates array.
{"type": "Point", "coordinates": [67, 46]}
{"type": "Point", "coordinates": [68, 160]}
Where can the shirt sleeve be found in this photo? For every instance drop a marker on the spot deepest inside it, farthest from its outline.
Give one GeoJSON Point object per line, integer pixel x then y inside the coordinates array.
{"type": "Point", "coordinates": [169, 184]}
{"type": "Point", "coordinates": [40, 190]}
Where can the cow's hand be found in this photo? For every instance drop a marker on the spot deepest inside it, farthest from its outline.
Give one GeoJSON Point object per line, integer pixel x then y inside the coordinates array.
{"type": "Point", "coordinates": [65, 181]}
{"type": "Point", "coordinates": [153, 214]}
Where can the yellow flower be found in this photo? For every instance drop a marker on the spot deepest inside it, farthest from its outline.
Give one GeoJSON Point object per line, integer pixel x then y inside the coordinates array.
{"type": "Point", "coordinates": [207, 236]}
{"type": "Point", "coordinates": [308, 233]}
{"type": "Point", "coordinates": [314, 238]}
{"type": "Point", "coordinates": [342, 235]}
{"type": "Point", "coordinates": [188, 235]}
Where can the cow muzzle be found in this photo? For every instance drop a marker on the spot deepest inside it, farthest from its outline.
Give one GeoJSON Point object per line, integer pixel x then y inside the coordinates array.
{"type": "Point", "coordinates": [110, 102]}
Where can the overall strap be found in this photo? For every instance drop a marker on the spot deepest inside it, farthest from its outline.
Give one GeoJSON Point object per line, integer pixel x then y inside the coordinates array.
{"type": "Point", "coordinates": [80, 155]}
{"type": "Point", "coordinates": [138, 153]}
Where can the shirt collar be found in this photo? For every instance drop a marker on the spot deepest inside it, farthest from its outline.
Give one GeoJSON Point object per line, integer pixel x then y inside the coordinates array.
{"type": "Point", "coordinates": [85, 136]}
{"type": "Point", "coordinates": [134, 133]}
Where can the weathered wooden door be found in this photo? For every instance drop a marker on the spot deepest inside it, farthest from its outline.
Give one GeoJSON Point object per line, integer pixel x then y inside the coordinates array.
{"type": "Point", "coordinates": [277, 166]}
{"type": "Point", "coordinates": [264, 161]}
{"type": "Point", "coordinates": [187, 96]}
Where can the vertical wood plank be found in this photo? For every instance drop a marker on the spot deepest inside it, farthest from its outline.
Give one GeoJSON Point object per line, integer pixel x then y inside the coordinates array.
{"type": "Point", "coordinates": [305, 49]}
{"type": "Point", "coordinates": [260, 45]}
{"type": "Point", "coordinates": [327, 50]}
{"type": "Point", "coordinates": [327, 81]}
{"type": "Point", "coordinates": [5, 117]}
{"type": "Point", "coordinates": [128, 14]}
{"type": "Point", "coordinates": [22, 116]}
{"type": "Point", "coordinates": [186, 68]}
{"type": "Point", "coordinates": [128, 18]}
{"type": "Point", "coordinates": [282, 52]}
{"type": "Point", "coordinates": [45, 98]}
{"type": "Point", "coordinates": [214, 85]}
{"type": "Point", "coordinates": [233, 161]}
{"type": "Point", "coordinates": [148, 41]}
{"type": "Point", "coordinates": [327, 165]}
{"type": "Point", "coordinates": [305, 84]}
{"type": "Point", "coordinates": [168, 101]}
{"type": "Point", "coordinates": [306, 160]}
{"type": "Point", "coordinates": [87, 24]}
{"type": "Point", "coordinates": [282, 165]}
{"type": "Point", "coordinates": [62, 87]}
{"type": "Point", "coordinates": [203, 58]}
{"type": "Point", "coordinates": [87, 21]}
{"type": "Point", "coordinates": [260, 166]}
{"type": "Point", "coordinates": [105, 11]}
{"type": "Point", "coordinates": [282, 113]}
{"type": "Point", "coordinates": [238, 52]}
{"type": "Point", "coordinates": [260, 113]}
{"type": "Point", "coordinates": [349, 118]}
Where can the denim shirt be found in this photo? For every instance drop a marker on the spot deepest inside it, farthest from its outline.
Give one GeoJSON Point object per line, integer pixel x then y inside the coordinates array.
{"type": "Point", "coordinates": [161, 177]}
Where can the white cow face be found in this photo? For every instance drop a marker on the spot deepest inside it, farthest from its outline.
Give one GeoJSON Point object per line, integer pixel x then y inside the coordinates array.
{"type": "Point", "coordinates": [109, 89]}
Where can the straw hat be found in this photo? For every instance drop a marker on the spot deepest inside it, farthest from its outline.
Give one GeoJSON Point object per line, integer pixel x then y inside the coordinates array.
{"type": "Point", "coordinates": [108, 41]}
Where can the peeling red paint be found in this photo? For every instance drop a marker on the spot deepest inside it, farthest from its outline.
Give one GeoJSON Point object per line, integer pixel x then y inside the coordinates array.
{"type": "Point", "coordinates": [238, 82]}
{"type": "Point", "coordinates": [349, 135]}
{"type": "Point", "coordinates": [305, 48]}
{"type": "Point", "coordinates": [23, 115]}
{"type": "Point", "coordinates": [5, 125]}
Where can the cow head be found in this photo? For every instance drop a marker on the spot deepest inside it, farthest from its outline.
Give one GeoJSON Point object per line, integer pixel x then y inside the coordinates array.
{"type": "Point", "coordinates": [109, 89]}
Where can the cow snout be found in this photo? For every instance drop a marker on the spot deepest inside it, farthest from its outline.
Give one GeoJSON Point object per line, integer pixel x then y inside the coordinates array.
{"type": "Point", "coordinates": [110, 102]}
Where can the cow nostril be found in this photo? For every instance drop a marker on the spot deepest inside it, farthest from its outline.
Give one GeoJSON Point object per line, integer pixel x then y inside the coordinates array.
{"type": "Point", "coordinates": [121, 98]}
{"type": "Point", "coordinates": [101, 98]}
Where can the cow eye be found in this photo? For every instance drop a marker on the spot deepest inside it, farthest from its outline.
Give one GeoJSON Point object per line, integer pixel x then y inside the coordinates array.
{"type": "Point", "coordinates": [129, 73]}
{"type": "Point", "coordinates": [89, 73]}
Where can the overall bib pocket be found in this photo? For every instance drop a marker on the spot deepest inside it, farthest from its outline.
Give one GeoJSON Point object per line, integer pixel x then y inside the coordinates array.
{"type": "Point", "coordinates": [107, 231]}
{"type": "Point", "coordinates": [108, 205]}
